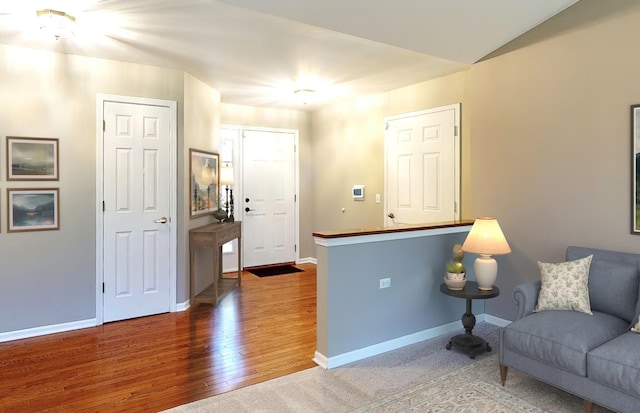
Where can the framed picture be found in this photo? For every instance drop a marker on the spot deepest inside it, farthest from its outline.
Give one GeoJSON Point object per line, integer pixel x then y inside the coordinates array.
{"type": "Point", "coordinates": [33, 209]}
{"type": "Point", "coordinates": [32, 159]}
{"type": "Point", "coordinates": [205, 181]}
{"type": "Point", "coordinates": [635, 169]}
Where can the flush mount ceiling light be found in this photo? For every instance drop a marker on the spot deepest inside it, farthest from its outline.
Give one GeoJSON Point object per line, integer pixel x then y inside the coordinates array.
{"type": "Point", "coordinates": [304, 95]}
{"type": "Point", "coordinates": [56, 23]}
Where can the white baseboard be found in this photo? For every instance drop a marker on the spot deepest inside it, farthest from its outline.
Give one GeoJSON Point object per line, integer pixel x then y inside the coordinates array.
{"type": "Point", "coordinates": [44, 330]}
{"type": "Point", "coordinates": [184, 306]}
{"type": "Point", "coordinates": [496, 321]}
{"type": "Point", "coordinates": [342, 359]}
{"type": "Point", "coordinates": [307, 260]}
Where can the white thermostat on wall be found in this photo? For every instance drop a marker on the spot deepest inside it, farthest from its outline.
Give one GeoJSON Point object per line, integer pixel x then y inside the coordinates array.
{"type": "Point", "coordinates": [358, 192]}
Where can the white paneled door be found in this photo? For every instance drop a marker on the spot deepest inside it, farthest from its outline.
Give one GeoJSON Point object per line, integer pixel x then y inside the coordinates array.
{"type": "Point", "coordinates": [136, 236]}
{"type": "Point", "coordinates": [422, 171]}
{"type": "Point", "coordinates": [268, 193]}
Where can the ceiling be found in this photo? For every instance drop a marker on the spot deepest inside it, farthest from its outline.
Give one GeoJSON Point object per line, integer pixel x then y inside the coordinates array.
{"type": "Point", "coordinates": [257, 52]}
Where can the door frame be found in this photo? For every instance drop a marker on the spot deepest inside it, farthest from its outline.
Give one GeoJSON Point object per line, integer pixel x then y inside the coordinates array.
{"type": "Point", "coordinates": [457, 134]}
{"type": "Point", "coordinates": [239, 175]}
{"type": "Point", "coordinates": [173, 191]}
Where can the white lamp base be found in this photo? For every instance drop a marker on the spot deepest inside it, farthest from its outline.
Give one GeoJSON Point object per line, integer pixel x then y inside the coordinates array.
{"type": "Point", "coordinates": [486, 271]}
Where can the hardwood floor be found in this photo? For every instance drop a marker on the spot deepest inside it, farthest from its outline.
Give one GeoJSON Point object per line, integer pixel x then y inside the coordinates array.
{"type": "Point", "coordinates": [264, 330]}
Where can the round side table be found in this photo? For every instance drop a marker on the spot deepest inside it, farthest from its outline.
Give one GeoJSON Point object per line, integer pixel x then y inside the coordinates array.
{"type": "Point", "coordinates": [473, 345]}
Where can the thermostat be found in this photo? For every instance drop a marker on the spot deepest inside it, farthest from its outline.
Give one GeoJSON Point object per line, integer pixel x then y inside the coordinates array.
{"type": "Point", "coordinates": [358, 192]}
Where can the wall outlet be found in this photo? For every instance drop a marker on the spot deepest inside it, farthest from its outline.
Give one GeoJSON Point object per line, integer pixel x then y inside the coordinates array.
{"type": "Point", "coordinates": [385, 282]}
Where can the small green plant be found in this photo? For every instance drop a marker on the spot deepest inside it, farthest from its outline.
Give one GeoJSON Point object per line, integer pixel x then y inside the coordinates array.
{"type": "Point", "coordinates": [456, 266]}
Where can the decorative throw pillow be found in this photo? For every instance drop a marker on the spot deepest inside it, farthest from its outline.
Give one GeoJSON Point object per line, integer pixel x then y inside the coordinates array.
{"type": "Point", "coordinates": [636, 328]}
{"type": "Point", "coordinates": [565, 286]}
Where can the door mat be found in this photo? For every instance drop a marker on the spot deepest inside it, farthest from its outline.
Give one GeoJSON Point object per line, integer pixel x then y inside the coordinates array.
{"type": "Point", "coordinates": [277, 270]}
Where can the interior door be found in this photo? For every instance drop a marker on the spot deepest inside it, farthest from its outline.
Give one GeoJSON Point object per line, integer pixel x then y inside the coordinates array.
{"type": "Point", "coordinates": [137, 211]}
{"type": "Point", "coordinates": [423, 169]}
{"type": "Point", "coordinates": [268, 207]}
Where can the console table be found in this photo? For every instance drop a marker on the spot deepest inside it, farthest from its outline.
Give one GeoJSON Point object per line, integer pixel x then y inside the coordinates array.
{"type": "Point", "coordinates": [214, 236]}
{"type": "Point", "coordinates": [473, 345]}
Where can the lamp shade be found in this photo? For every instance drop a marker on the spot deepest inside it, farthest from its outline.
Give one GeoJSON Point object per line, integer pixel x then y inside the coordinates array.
{"type": "Point", "coordinates": [486, 238]}
{"type": "Point", "coordinates": [226, 175]}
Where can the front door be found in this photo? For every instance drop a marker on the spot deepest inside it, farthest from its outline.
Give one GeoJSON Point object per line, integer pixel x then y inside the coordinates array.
{"type": "Point", "coordinates": [422, 171]}
{"type": "Point", "coordinates": [268, 186]}
{"type": "Point", "coordinates": [137, 225]}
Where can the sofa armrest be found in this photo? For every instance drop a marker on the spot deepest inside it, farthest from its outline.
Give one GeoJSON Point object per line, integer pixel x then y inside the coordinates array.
{"type": "Point", "coordinates": [526, 296]}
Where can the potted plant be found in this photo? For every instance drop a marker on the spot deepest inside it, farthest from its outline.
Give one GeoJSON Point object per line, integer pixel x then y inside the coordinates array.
{"type": "Point", "coordinates": [455, 268]}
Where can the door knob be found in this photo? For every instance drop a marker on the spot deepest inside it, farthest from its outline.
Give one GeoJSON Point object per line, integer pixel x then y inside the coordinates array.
{"type": "Point", "coordinates": [390, 215]}
{"type": "Point", "coordinates": [247, 209]}
{"type": "Point", "coordinates": [162, 220]}
{"type": "Point", "coordinates": [246, 200]}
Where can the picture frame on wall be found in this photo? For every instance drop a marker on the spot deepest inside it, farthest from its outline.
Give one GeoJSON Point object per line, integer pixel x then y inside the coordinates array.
{"type": "Point", "coordinates": [635, 169]}
{"type": "Point", "coordinates": [204, 183]}
{"type": "Point", "coordinates": [33, 209]}
{"type": "Point", "coordinates": [32, 159]}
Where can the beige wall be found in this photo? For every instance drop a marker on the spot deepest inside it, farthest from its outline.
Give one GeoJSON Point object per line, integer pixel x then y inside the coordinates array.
{"type": "Point", "coordinates": [202, 132]}
{"type": "Point", "coordinates": [551, 142]}
{"type": "Point", "coordinates": [348, 149]}
{"type": "Point", "coordinates": [284, 119]}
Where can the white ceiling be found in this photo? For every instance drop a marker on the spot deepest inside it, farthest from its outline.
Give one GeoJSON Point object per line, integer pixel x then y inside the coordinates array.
{"type": "Point", "coordinates": [257, 52]}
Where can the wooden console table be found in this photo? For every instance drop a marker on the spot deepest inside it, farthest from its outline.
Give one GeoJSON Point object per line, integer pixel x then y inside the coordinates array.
{"type": "Point", "coordinates": [214, 236]}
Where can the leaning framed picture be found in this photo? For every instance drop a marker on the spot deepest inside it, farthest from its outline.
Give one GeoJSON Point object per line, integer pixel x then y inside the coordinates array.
{"type": "Point", "coordinates": [635, 169]}
{"type": "Point", "coordinates": [204, 182]}
{"type": "Point", "coordinates": [32, 159]}
{"type": "Point", "coordinates": [33, 209]}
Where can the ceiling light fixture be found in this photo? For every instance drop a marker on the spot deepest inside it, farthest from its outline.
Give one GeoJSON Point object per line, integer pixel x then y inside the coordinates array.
{"type": "Point", "coordinates": [56, 23]}
{"type": "Point", "coordinates": [304, 95]}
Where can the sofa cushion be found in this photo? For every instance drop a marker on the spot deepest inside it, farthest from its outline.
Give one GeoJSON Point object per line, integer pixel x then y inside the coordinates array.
{"type": "Point", "coordinates": [624, 293]}
{"type": "Point", "coordinates": [613, 288]}
{"type": "Point", "coordinates": [565, 286]}
{"type": "Point", "coordinates": [562, 338]}
{"type": "Point", "coordinates": [616, 364]}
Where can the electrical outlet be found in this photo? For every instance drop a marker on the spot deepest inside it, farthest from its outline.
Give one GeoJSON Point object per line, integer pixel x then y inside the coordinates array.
{"type": "Point", "coordinates": [385, 282]}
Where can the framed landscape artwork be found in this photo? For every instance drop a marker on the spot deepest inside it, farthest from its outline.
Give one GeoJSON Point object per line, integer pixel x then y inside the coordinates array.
{"type": "Point", "coordinates": [33, 209]}
{"type": "Point", "coordinates": [635, 169]}
{"type": "Point", "coordinates": [32, 159]}
{"type": "Point", "coordinates": [204, 183]}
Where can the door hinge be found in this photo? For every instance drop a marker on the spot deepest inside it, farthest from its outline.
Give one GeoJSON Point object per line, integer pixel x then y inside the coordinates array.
{"type": "Point", "coordinates": [104, 125]}
{"type": "Point", "coordinates": [455, 130]}
{"type": "Point", "coordinates": [455, 207]}
{"type": "Point", "coordinates": [295, 248]}
{"type": "Point", "coordinates": [295, 198]}
{"type": "Point", "coordinates": [103, 207]}
{"type": "Point", "coordinates": [386, 126]}
{"type": "Point", "coordinates": [102, 288]}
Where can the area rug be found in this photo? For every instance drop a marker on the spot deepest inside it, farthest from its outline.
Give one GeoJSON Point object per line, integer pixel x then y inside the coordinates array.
{"type": "Point", "coordinates": [423, 377]}
{"type": "Point", "coordinates": [276, 270]}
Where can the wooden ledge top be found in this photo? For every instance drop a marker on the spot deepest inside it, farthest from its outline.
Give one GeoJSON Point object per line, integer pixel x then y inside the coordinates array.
{"type": "Point", "coordinates": [390, 230]}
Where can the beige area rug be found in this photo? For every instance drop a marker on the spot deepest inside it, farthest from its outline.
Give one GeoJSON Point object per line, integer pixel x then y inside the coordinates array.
{"type": "Point", "coordinates": [423, 377]}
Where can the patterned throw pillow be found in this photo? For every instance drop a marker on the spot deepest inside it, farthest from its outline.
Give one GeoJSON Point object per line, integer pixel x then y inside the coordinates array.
{"type": "Point", "coordinates": [565, 286]}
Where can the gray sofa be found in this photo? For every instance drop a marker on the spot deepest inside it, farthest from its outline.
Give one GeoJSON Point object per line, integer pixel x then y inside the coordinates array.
{"type": "Point", "coordinates": [595, 357]}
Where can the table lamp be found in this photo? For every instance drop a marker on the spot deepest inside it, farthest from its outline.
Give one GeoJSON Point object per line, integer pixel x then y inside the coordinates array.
{"type": "Point", "coordinates": [486, 238]}
{"type": "Point", "coordinates": [226, 179]}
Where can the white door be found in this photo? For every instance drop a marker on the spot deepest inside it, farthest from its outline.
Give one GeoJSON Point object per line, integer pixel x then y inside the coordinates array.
{"type": "Point", "coordinates": [268, 207]}
{"type": "Point", "coordinates": [422, 170]}
{"type": "Point", "coordinates": [137, 211]}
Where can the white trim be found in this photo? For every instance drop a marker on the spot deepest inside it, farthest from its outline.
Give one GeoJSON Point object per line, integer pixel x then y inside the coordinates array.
{"type": "Point", "coordinates": [45, 330]}
{"type": "Point", "coordinates": [173, 189]}
{"type": "Point", "coordinates": [307, 260]}
{"type": "Point", "coordinates": [396, 343]}
{"type": "Point", "coordinates": [496, 321]}
{"type": "Point", "coordinates": [183, 306]}
{"type": "Point", "coordinates": [388, 236]}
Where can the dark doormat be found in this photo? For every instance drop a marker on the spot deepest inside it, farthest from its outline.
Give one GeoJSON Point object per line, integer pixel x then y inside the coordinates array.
{"type": "Point", "coordinates": [277, 270]}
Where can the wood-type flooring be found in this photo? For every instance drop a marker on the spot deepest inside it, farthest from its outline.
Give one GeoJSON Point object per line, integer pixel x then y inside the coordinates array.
{"type": "Point", "coordinates": [263, 330]}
